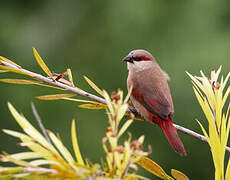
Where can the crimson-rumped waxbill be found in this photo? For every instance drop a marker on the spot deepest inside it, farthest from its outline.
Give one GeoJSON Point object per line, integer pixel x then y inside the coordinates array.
{"type": "Point", "coordinates": [151, 95]}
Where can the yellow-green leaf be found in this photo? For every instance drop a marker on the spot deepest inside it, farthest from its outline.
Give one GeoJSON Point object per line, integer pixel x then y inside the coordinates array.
{"type": "Point", "coordinates": [16, 134]}
{"type": "Point", "coordinates": [75, 144]}
{"type": "Point", "coordinates": [22, 156]}
{"type": "Point", "coordinates": [227, 175]}
{"type": "Point", "coordinates": [18, 162]}
{"type": "Point", "coordinates": [178, 175]}
{"type": "Point", "coordinates": [93, 106]}
{"type": "Point", "coordinates": [80, 100]}
{"type": "Point", "coordinates": [153, 168]}
{"type": "Point", "coordinates": [14, 70]}
{"type": "Point", "coordinates": [54, 96]}
{"type": "Point", "coordinates": [29, 129]}
{"type": "Point", "coordinates": [94, 86]}
{"type": "Point", "coordinates": [2, 59]}
{"type": "Point", "coordinates": [62, 149]}
{"type": "Point", "coordinates": [108, 102]}
{"type": "Point", "coordinates": [42, 63]}
{"type": "Point", "coordinates": [9, 170]}
{"type": "Point", "coordinates": [19, 81]}
{"type": "Point", "coordinates": [3, 71]}
{"type": "Point", "coordinates": [27, 82]}
{"type": "Point", "coordinates": [70, 75]}
{"type": "Point", "coordinates": [124, 127]}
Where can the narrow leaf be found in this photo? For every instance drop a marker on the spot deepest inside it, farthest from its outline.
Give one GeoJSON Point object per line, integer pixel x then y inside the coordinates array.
{"type": "Point", "coordinates": [128, 95]}
{"type": "Point", "coordinates": [42, 63]}
{"type": "Point", "coordinates": [2, 59]}
{"type": "Point", "coordinates": [18, 162]}
{"type": "Point", "coordinates": [19, 81]}
{"type": "Point", "coordinates": [80, 100]}
{"type": "Point", "coordinates": [23, 156]}
{"type": "Point", "coordinates": [40, 162]}
{"type": "Point", "coordinates": [152, 167]}
{"type": "Point", "coordinates": [55, 96]}
{"type": "Point", "coordinates": [93, 106]}
{"type": "Point", "coordinates": [75, 144]}
{"type": "Point", "coordinates": [63, 150]}
{"type": "Point", "coordinates": [178, 175]}
{"type": "Point", "coordinates": [16, 134]}
{"type": "Point", "coordinates": [29, 129]}
{"type": "Point", "coordinates": [108, 102]}
{"type": "Point", "coordinates": [18, 71]}
{"type": "Point", "coordinates": [124, 127]}
{"type": "Point", "coordinates": [227, 175]}
{"type": "Point", "coordinates": [94, 86]}
{"type": "Point", "coordinates": [70, 76]}
{"type": "Point", "coordinates": [27, 82]}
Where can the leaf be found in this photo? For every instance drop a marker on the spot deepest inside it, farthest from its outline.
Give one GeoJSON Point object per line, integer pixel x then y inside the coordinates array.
{"type": "Point", "coordinates": [42, 63]}
{"type": "Point", "coordinates": [54, 96]}
{"type": "Point", "coordinates": [40, 162]}
{"type": "Point", "coordinates": [153, 168]}
{"type": "Point", "coordinates": [121, 111]}
{"type": "Point", "coordinates": [93, 106]}
{"type": "Point", "coordinates": [29, 129]}
{"type": "Point", "coordinates": [108, 102]}
{"type": "Point", "coordinates": [2, 59]}
{"type": "Point", "coordinates": [227, 175]}
{"type": "Point", "coordinates": [3, 71]}
{"type": "Point", "coordinates": [75, 144]}
{"type": "Point", "coordinates": [19, 81]}
{"type": "Point", "coordinates": [62, 149]}
{"type": "Point", "coordinates": [124, 127]}
{"type": "Point", "coordinates": [80, 100]}
{"type": "Point", "coordinates": [16, 134]}
{"type": "Point", "coordinates": [178, 175]}
{"type": "Point", "coordinates": [70, 75]}
{"type": "Point", "coordinates": [9, 170]}
{"type": "Point", "coordinates": [94, 86]}
{"type": "Point", "coordinates": [128, 95]}
{"type": "Point", "coordinates": [27, 82]}
{"type": "Point", "coordinates": [14, 70]}
{"type": "Point", "coordinates": [23, 156]}
{"type": "Point", "coordinates": [16, 161]}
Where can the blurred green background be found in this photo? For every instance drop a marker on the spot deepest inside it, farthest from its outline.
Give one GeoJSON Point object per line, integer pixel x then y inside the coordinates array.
{"type": "Point", "coordinates": [91, 38]}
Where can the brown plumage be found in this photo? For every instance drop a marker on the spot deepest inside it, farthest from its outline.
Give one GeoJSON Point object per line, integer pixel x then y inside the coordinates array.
{"type": "Point", "coordinates": [151, 95]}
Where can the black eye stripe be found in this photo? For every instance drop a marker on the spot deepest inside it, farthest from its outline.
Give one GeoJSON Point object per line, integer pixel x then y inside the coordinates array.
{"type": "Point", "coordinates": [137, 58]}
{"type": "Point", "coordinates": [141, 58]}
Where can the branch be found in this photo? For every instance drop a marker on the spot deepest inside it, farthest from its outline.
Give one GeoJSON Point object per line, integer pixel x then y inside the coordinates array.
{"type": "Point", "coordinates": [98, 99]}
{"type": "Point", "coordinates": [39, 121]}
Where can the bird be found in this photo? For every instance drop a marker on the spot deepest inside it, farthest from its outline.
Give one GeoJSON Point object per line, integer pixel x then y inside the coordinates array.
{"type": "Point", "coordinates": [150, 94]}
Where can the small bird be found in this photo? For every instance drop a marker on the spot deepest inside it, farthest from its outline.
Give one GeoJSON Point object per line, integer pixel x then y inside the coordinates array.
{"type": "Point", "coordinates": [151, 95]}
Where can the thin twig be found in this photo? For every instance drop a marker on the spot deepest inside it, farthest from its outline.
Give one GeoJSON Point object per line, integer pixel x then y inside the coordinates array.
{"type": "Point", "coordinates": [37, 117]}
{"type": "Point", "coordinates": [98, 99]}
{"type": "Point", "coordinates": [43, 170]}
{"type": "Point", "coordinates": [180, 128]}
{"type": "Point", "coordinates": [56, 83]}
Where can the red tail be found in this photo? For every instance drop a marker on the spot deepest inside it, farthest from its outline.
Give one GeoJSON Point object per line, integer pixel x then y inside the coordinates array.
{"type": "Point", "coordinates": [172, 136]}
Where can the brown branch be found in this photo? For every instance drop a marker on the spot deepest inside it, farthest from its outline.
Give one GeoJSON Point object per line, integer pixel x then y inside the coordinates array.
{"type": "Point", "coordinates": [98, 99]}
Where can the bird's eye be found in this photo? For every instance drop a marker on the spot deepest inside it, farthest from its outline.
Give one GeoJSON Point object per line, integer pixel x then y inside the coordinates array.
{"type": "Point", "coordinates": [138, 58]}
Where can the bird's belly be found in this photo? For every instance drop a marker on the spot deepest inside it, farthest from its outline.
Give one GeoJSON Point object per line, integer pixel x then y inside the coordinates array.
{"type": "Point", "coordinates": [140, 108]}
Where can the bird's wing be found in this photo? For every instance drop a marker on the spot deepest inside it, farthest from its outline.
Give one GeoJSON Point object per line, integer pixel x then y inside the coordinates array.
{"type": "Point", "coordinates": [154, 102]}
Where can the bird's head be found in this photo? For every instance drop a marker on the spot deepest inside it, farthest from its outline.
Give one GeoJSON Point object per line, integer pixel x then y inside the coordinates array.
{"type": "Point", "coordinates": [139, 60]}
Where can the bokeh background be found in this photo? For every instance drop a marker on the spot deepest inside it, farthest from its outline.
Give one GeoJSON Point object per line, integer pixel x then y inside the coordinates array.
{"type": "Point", "coordinates": [91, 38]}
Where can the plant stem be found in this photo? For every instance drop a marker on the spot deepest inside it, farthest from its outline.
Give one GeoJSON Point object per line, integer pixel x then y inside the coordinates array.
{"type": "Point", "coordinates": [96, 98]}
